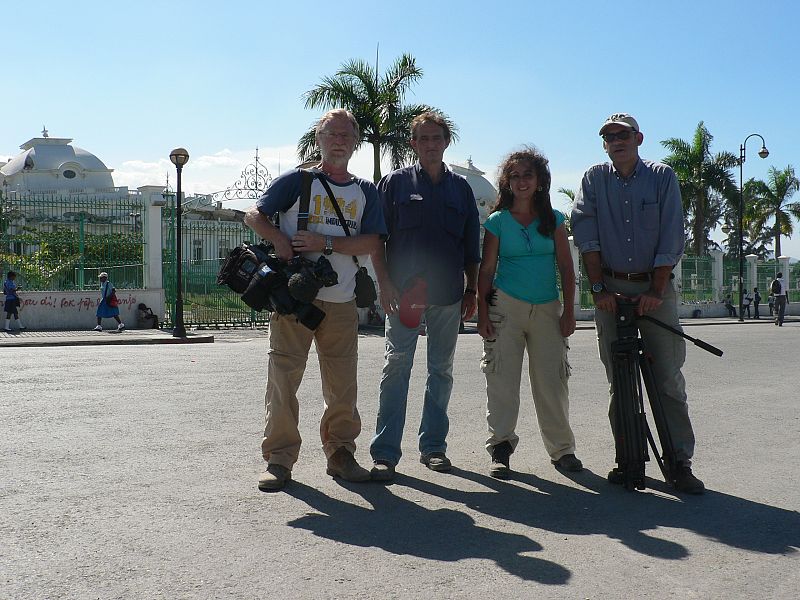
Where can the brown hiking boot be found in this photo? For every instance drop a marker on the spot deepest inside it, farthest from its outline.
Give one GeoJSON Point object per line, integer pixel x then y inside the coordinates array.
{"type": "Point", "coordinates": [274, 478]}
{"type": "Point", "coordinates": [343, 464]}
{"type": "Point", "coordinates": [436, 461]}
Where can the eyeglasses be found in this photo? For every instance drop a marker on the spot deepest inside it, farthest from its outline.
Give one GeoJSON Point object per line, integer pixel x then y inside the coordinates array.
{"type": "Point", "coordinates": [338, 136]}
{"type": "Point", "coordinates": [527, 237]}
{"type": "Point", "coordinates": [620, 135]}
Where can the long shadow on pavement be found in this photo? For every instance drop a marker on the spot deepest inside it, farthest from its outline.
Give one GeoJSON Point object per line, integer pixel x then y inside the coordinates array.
{"type": "Point", "coordinates": [600, 508]}
{"type": "Point", "coordinates": [403, 527]}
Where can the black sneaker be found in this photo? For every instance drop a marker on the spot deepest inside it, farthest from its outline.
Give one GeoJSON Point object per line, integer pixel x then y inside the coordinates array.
{"type": "Point", "coordinates": [500, 460]}
{"type": "Point", "coordinates": [382, 471]}
{"type": "Point", "coordinates": [616, 476]}
{"type": "Point", "coordinates": [568, 462]}
{"type": "Point", "coordinates": [685, 481]}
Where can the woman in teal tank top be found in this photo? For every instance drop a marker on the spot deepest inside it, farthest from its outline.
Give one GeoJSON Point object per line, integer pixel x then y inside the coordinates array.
{"type": "Point", "coordinates": [519, 310]}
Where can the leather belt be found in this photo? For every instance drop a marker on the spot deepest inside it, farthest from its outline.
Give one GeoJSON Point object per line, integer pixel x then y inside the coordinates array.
{"type": "Point", "coordinates": [628, 276]}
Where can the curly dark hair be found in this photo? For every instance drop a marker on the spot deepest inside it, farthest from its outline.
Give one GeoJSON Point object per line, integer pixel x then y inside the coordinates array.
{"type": "Point", "coordinates": [541, 197]}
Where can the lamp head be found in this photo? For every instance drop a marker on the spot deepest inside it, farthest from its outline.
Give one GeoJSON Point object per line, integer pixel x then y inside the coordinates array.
{"type": "Point", "coordinates": [179, 157]}
{"type": "Point", "coordinates": [763, 153]}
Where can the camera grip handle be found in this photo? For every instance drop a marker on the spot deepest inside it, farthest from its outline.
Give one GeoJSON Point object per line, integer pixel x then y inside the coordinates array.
{"type": "Point", "coordinates": [707, 347]}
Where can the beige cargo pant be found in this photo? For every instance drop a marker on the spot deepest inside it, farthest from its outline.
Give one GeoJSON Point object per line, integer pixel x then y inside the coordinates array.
{"type": "Point", "coordinates": [520, 326]}
{"type": "Point", "coordinates": [336, 341]}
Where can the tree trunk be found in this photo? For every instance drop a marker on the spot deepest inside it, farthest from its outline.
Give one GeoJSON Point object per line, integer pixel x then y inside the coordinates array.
{"type": "Point", "coordinates": [698, 229]}
{"type": "Point", "coordinates": [777, 238]}
{"type": "Point", "coordinates": [376, 158]}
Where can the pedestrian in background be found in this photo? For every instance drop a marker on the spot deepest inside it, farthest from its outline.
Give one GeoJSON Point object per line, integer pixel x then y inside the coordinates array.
{"type": "Point", "coordinates": [107, 308]}
{"type": "Point", "coordinates": [746, 302]}
{"type": "Point", "coordinates": [12, 303]}
{"type": "Point", "coordinates": [756, 302]}
{"type": "Point", "coordinates": [781, 292]}
{"type": "Point", "coordinates": [729, 306]}
{"type": "Point", "coordinates": [519, 310]}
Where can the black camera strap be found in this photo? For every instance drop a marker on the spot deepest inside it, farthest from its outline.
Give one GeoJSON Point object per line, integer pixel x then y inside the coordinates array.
{"type": "Point", "coordinates": [338, 210]}
{"type": "Point", "coordinates": [307, 178]}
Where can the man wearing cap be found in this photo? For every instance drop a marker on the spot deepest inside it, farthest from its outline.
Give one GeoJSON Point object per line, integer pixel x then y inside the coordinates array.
{"type": "Point", "coordinates": [628, 224]}
{"type": "Point", "coordinates": [433, 242]}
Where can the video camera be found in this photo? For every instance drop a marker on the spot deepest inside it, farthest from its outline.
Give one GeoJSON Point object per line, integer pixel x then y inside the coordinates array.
{"type": "Point", "coordinates": [268, 282]}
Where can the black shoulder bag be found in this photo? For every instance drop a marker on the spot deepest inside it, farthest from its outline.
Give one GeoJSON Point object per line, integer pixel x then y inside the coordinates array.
{"type": "Point", "coordinates": [366, 294]}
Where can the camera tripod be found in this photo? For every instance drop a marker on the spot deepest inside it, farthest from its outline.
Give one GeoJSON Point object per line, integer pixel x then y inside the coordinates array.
{"type": "Point", "coordinates": [632, 365]}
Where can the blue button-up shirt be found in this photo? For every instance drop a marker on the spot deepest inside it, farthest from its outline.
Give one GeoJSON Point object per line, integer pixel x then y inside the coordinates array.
{"type": "Point", "coordinates": [434, 230]}
{"type": "Point", "coordinates": [636, 223]}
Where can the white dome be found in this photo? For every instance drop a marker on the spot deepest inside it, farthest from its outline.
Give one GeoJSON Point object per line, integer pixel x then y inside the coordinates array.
{"type": "Point", "coordinates": [53, 166]}
{"type": "Point", "coordinates": [485, 194]}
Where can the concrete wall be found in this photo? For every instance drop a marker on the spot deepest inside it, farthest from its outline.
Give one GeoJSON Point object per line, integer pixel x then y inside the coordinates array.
{"type": "Point", "coordinates": [76, 310]}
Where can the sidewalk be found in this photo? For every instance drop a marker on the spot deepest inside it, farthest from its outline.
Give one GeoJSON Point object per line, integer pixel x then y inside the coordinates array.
{"type": "Point", "coordinates": [109, 337]}
{"type": "Point", "coordinates": [129, 337]}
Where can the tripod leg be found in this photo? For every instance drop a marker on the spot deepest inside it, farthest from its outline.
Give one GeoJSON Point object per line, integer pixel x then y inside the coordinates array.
{"type": "Point", "coordinates": [667, 460]}
{"type": "Point", "coordinates": [629, 417]}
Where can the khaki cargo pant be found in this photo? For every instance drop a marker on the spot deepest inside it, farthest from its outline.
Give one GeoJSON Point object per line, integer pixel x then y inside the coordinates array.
{"type": "Point", "coordinates": [336, 341]}
{"type": "Point", "coordinates": [520, 326]}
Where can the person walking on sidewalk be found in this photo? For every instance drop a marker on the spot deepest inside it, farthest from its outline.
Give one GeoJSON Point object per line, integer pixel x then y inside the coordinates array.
{"type": "Point", "coordinates": [12, 303]}
{"type": "Point", "coordinates": [781, 293]}
{"type": "Point", "coordinates": [627, 222]}
{"type": "Point", "coordinates": [434, 240]}
{"type": "Point", "coordinates": [107, 307]}
{"type": "Point", "coordinates": [519, 310]}
{"type": "Point", "coordinates": [336, 336]}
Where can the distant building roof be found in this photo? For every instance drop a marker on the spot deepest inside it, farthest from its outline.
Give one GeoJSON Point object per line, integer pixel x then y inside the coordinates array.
{"type": "Point", "coordinates": [52, 165]}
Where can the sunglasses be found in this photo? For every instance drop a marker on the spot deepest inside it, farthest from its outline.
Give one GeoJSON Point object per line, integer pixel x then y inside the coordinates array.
{"type": "Point", "coordinates": [621, 135]}
{"type": "Point", "coordinates": [527, 237]}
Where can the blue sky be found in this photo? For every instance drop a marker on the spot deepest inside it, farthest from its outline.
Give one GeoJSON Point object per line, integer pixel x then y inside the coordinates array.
{"type": "Point", "coordinates": [131, 81]}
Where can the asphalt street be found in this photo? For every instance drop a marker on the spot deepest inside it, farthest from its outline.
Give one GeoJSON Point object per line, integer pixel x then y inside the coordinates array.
{"type": "Point", "coordinates": [130, 471]}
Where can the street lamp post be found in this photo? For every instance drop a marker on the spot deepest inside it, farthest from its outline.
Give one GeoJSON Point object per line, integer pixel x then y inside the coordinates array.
{"type": "Point", "coordinates": [763, 153]}
{"type": "Point", "coordinates": [179, 158]}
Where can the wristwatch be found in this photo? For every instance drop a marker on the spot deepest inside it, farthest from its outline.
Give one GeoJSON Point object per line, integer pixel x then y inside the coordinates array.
{"type": "Point", "coordinates": [598, 287]}
{"type": "Point", "coordinates": [328, 246]}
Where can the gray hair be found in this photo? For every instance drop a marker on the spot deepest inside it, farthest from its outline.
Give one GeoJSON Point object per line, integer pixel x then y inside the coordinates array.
{"type": "Point", "coordinates": [339, 112]}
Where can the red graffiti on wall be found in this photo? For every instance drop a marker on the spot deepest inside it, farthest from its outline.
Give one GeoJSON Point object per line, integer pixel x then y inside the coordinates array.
{"type": "Point", "coordinates": [86, 303]}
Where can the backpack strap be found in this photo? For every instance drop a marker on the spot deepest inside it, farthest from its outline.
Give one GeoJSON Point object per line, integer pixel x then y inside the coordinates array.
{"type": "Point", "coordinates": [338, 210]}
{"type": "Point", "coordinates": [306, 179]}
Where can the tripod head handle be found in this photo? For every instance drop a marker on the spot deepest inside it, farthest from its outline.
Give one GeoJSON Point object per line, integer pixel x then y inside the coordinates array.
{"type": "Point", "coordinates": [627, 308]}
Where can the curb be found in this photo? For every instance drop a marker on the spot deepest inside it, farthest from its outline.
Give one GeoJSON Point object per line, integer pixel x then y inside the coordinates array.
{"type": "Point", "coordinates": [58, 339]}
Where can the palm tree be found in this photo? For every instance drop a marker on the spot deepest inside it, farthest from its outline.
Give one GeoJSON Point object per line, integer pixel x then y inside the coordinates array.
{"type": "Point", "coordinates": [770, 200]}
{"type": "Point", "coordinates": [377, 104]}
{"type": "Point", "coordinates": [706, 184]}
{"type": "Point", "coordinates": [569, 193]}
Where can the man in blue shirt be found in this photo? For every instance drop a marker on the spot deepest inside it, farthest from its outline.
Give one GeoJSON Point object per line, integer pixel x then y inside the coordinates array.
{"type": "Point", "coordinates": [628, 225]}
{"type": "Point", "coordinates": [336, 337]}
{"type": "Point", "coordinates": [433, 242]}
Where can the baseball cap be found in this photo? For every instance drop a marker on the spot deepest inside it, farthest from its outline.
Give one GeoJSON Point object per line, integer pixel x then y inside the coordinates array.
{"type": "Point", "coordinates": [413, 302]}
{"type": "Point", "coordinates": [620, 119]}
{"type": "Point", "coordinates": [103, 274]}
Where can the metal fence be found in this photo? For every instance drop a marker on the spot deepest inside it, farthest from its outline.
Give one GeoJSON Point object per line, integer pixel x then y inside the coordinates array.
{"type": "Point", "coordinates": [205, 245]}
{"type": "Point", "coordinates": [697, 279]}
{"type": "Point", "coordinates": [63, 243]}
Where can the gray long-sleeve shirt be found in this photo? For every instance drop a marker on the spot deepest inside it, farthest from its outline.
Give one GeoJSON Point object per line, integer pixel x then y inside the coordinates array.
{"type": "Point", "coordinates": [636, 223]}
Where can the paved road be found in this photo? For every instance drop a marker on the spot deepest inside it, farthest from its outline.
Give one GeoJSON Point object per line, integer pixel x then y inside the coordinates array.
{"type": "Point", "coordinates": [130, 472]}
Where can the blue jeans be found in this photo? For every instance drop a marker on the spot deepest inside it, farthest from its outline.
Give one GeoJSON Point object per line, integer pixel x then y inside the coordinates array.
{"type": "Point", "coordinates": [401, 342]}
